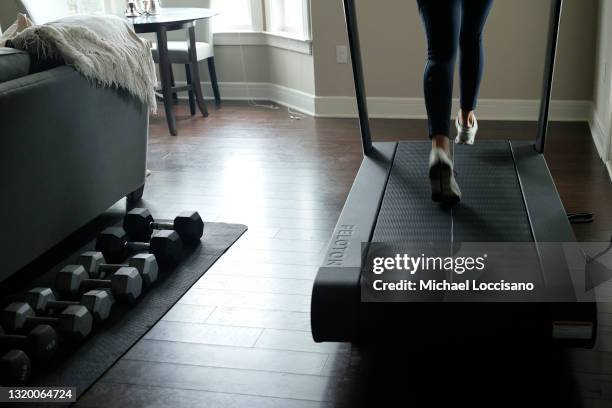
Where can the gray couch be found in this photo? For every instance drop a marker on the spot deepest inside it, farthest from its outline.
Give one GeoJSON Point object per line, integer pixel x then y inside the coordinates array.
{"type": "Point", "coordinates": [70, 149]}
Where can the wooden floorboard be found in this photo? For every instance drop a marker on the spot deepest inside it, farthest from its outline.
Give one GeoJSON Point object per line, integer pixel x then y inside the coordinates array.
{"type": "Point", "coordinates": [255, 300]}
{"type": "Point", "coordinates": [240, 337]}
{"type": "Point", "coordinates": [281, 361]}
{"type": "Point", "coordinates": [236, 381]}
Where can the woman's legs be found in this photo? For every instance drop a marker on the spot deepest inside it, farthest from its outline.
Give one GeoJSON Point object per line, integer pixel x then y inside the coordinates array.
{"type": "Point", "coordinates": [474, 17]}
{"type": "Point", "coordinates": [441, 19]}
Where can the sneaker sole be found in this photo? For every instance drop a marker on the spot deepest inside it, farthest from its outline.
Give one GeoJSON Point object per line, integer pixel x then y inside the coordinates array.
{"type": "Point", "coordinates": [441, 192]}
{"type": "Point", "coordinates": [464, 140]}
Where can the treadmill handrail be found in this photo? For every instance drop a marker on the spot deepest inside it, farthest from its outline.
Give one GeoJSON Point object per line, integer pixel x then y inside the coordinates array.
{"type": "Point", "coordinates": [556, 10]}
{"type": "Point", "coordinates": [350, 15]}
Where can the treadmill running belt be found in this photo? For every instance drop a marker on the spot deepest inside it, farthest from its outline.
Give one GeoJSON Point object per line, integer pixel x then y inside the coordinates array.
{"type": "Point", "coordinates": [492, 208]}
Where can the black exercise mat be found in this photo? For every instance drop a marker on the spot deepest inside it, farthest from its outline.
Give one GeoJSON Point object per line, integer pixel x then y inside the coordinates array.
{"type": "Point", "coordinates": [89, 360]}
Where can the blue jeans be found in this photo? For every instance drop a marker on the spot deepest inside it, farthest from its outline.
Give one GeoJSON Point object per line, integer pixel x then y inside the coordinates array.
{"type": "Point", "coordinates": [451, 25]}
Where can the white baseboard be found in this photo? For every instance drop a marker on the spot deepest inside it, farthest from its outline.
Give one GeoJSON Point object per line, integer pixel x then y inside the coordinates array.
{"type": "Point", "coordinates": [600, 138]}
{"type": "Point", "coordinates": [488, 109]}
{"type": "Point", "coordinates": [261, 91]}
{"type": "Point", "coordinates": [393, 108]}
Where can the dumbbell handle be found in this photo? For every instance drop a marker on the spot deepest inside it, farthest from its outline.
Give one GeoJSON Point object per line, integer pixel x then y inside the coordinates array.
{"type": "Point", "coordinates": [162, 225]}
{"type": "Point", "coordinates": [111, 267]}
{"type": "Point", "coordinates": [17, 341]}
{"type": "Point", "coordinates": [54, 322]}
{"type": "Point", "coordinates": [36, 320]}
{"type": "Point", "coordinates": [12, 340]}
{"type": "Point", "coordinates": [95, 284]}
{"type": "Point", "coordinates": [61, 304]}
{"type": "Point", "coordinates": [102, 269]}
{"type": "Point", "coordinates": [138, 246]}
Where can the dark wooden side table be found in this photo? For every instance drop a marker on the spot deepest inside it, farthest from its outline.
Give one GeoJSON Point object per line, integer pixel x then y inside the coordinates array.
{"type": "Point", "coordinates": [170, 19]}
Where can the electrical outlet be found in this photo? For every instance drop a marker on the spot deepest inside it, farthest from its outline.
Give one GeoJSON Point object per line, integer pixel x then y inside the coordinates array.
{"type": "Point", "coordinates": [341, 54]}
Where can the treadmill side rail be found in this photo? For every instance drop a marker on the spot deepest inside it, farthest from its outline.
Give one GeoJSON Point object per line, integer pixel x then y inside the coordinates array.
{"type": "Point", "coordinates": [336, 291]}
{"type": "Point", "coordinates": [547, 214]}
{"type": "Point", "coordinates": [550, 225]}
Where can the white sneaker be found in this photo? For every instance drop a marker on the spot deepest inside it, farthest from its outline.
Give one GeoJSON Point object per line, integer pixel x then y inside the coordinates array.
{"type": "Point", "coordinates": [444, 187]}
{"type": "Point", "coordinates": [465, 134]}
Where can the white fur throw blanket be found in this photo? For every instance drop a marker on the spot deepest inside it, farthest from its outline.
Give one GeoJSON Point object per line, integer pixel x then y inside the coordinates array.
{"type": "Point", "coordinates": [102, 48]}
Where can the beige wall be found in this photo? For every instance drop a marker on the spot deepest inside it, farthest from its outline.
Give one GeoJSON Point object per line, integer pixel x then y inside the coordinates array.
{"type": "Point", "coordinates": [602, 98]}
{"type": "Point", "coordinates": [261, 64]}
{"type": "Point", "coordinates": [393, 46]}
{"type": "Point", "coordinates": [8, 13]}
{"type": "Point", "coordinates": [394, 51]}
{"type": "Point", "coordinates": [292, 70]}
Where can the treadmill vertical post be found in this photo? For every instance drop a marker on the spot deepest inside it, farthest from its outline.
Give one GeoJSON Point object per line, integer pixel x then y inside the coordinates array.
{"type": "Point", "coordinates": [352, 30]}
{"type": "Point", "coordinates": [549, 73]}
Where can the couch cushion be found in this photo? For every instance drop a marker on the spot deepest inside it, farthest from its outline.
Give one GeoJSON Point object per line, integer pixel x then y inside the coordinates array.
{"type": "Point", "coordinates": [13, 64]}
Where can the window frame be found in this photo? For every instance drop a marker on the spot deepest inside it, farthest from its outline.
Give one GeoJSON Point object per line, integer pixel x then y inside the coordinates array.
{"type": "Point", "coordinates": [284, 31]}
{"type": "Point", "coordinates": [257, 19]}
{"type": "Point", "coordinates": [261, 18]}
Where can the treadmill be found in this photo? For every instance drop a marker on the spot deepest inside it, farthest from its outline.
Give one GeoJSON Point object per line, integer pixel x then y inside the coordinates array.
{"type": "Point", "coordinates": [508, 196]}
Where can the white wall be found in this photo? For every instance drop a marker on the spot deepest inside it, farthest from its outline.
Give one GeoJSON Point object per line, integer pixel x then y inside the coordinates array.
{"type": "Point", "coordinates": [601, 122]}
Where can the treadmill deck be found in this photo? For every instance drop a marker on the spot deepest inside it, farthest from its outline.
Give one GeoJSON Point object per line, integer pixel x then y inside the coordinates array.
{"type": "Point", "coordinates": [491, 210]}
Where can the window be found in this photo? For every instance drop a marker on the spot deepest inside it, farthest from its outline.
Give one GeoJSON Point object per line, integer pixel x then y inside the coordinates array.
{"type": "Point", "coordinates": [288, 18]}
{"type": "Point", "coordinates": [237, 15]}
{"type": "Point", "coordinates": [96, 6]}
{"type": "Point", "coordinates": [86, 6]}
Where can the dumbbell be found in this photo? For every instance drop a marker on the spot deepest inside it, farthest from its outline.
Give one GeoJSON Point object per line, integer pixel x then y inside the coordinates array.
{"type": "Point", "coordinates": [139, 224]}
{"type": "Point", "coordinates": [98, 302]}
{"type": "Point", "coordinates": [74, 321]}
{"type": "Point", "coordinates": [125, 284]}
{"type": "Point", "coordinates": [166, 245]}
{"type": "Point", "coordinates": [15, 368]}
{"type": "Point", "coordinates": [41, 342]}
{"type": "Point", "coordinates": [96, 266]}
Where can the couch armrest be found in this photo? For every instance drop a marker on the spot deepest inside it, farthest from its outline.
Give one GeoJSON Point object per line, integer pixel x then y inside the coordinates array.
{"type": "Point", "coordinates": [69, 150]}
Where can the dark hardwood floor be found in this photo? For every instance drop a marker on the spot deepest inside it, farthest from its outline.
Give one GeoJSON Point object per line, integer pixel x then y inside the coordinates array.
{"type": "Point", "coordinates": [241, 336]}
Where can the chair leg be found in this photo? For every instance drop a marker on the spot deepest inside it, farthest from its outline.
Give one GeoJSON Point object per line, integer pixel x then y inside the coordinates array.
{"type": "Point", "coordinates": [195, 73]}
{"type": "Point", "coordinates": [174, 94]}
{"type": "Point", "coordinates": [192, 105]}
{"type": "Point", "coordinates": [213, 80]}
{"type": "Point", "coordinates": [164, 70]}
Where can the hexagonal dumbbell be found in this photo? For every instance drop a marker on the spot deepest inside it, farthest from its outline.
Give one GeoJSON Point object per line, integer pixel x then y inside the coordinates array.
{"type": "Point", "coordinates": [98, 302]}
{"type": "Point", "coordinates": [96, 266]}
{"type": "Point", "coordinates": [139, 224]}
{"type": "Point", "coordinates": [125, 284]}
{"type": "Point", "coordinates": [15, 368]}
{"type": "Point", "coordinates": [166, 245]}
{"type": "Point", "coordinates": [41, 342]}
{"type": "Point", "coordinates": [74, 321]}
